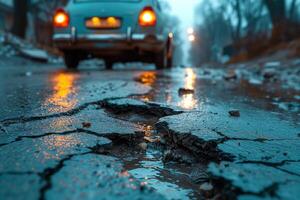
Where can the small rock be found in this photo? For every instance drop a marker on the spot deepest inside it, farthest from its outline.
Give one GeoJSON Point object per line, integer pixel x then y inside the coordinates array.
{"type": "Point", "coordinates": [34, 54]}
{"type": "Point", "coordinates": [269, 73]}
{"type": "Point", "coordinates": [152, 139]}
{"type": "Point", "coordinates": [272, 64]}
{"type": "Point", "coordinates": [206, 187]}
{"type": "Point", "coordinates": [206, 72]}
{"type": "Point", "coordinates": [230, 76]}
{"type": "Point", "coordinates": [185, 91]}
{"type": "Point", "coordinates": [255, 81]}
{"type": "Point", "coordinates": [143, 145]}
{"type": "Point", "coordinates": [234, 113]}
{"type": "Point", "coordinates": [86, 124]}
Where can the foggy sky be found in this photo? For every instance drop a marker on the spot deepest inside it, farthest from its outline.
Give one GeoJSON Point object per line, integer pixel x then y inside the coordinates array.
{"type": "Point", "coordinates": [184, 10]}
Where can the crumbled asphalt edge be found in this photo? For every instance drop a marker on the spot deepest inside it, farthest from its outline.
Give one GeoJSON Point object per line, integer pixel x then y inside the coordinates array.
{"type": "Point", "coordinates": [201, 151]}
{"type": "Point", "coordinates": [206, 151]}
{"type": "Point", "coordinates": [149, 109]}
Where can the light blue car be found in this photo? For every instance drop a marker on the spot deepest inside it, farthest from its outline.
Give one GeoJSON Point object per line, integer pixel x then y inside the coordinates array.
{"type": "Point", "coordinates": [114, 30]}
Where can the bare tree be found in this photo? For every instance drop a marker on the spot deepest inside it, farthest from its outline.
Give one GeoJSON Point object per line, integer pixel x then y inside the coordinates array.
{"type": "Point", "coordinates": [277, 10]}
{"type": "Point", "coordinates": [232, 24]}
{"type": "Point", "coordinates": [285, 24]}
{"type": "Point", "coordinates": [293, 11]}
{"type": "Point", "coordinates": [42, 13]}
{"type": "Point", "coordinates": [20, 18]}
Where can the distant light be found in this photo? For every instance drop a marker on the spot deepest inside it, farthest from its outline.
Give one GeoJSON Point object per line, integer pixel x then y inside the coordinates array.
{"type": "Point", "coordinates": [192, 38]}
{"type": "Point", "coordinates": [190, 31]}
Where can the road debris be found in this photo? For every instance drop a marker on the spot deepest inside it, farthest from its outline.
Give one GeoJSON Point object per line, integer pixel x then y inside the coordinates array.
{"type": "Point", "coordinates": [143, 145]}
{"type": "Point", "coordinates": [86, 124]}
{"type": "Point", "coordinates": [185, 91]}
{"type": "Point", "coordinates": [269, 73]}
{"type": "Point", "coordinates": [231, 75]}
{"type": "Point", "coordinates": [234, 113]}
{"type": "Point", "coordinates": [34, 54]}
{"type": "Point", "coordinates": [28, 74]}
{"type": "Point", "coordinates": [206, 187]}
{"type": "Point", "coordinates": [152, 139]}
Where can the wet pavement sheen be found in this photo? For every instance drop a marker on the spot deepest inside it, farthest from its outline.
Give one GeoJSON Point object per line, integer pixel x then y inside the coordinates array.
{"type": "Point", "coordinates": [54, 123]}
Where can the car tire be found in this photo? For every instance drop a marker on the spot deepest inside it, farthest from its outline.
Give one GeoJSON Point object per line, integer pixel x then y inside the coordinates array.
{"type": "Point", "coordinates": [71, 60]}
{"type": "Point", "coordinates": [170, 59]}
{"type": "Point", "coordinates": [169, 63]}
{"type": "Point", "coordinates": [170, 50]}
{"type": "Point", "coordinates": [109, 64]}
{"type": "Point", "coordinates": [161, 59]}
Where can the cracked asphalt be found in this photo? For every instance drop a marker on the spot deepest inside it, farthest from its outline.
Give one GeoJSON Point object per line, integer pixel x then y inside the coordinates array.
{"type": "Point", "coordinates": [137, 133]}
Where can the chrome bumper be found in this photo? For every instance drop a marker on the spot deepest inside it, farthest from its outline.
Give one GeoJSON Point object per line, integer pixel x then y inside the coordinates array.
{"type": "Point", "coordinates": [64, 37]}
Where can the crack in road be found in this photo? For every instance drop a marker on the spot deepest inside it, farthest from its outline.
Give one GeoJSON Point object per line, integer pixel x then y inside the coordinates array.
{"type": "Point", "coordinates": [207, 150]}
{"type": "Point", "coordinates": [48, 173]}
{"type": "Point", "coordinates": [2, 129]}
{"type": "Point", "coordinates": [7, 122]}
{"type": "Point", "coordinates": [78, 130]}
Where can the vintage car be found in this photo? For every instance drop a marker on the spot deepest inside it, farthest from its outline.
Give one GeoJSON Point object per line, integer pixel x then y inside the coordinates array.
{"type": "Point", "coordinates": [113, 30]}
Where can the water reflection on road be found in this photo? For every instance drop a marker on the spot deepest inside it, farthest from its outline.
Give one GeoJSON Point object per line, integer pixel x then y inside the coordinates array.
{"type": "Point", "coordinates": [167, 91]}
{"type": "Point", "coordinates": [210, 88]}
{"type": "Point", "coordinates": [188, 101]}
{"type": "Point", "coordinates": [64, 92]}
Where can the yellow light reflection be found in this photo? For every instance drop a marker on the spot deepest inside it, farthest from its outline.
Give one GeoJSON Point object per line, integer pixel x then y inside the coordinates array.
{"type": "Point", "coordinates": [58, 145]}
{"type": "Point", "coordinates": [147, 78]}
{"type": "Point", "coordinates": [189, 101]}
{"type": "Point", "coordinates": [64, 89]}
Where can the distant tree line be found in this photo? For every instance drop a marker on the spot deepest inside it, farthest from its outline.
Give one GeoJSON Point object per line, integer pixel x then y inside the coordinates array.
{"type": "Point", "coordinates": [242, 27]}
{"type": "Point", "coordinates": [20, 18]}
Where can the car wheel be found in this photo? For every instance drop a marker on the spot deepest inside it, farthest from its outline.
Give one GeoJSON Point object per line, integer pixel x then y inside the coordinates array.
{"type": "Point", "coordinates": [170, 50]}
{"type": "Point", "coordinates": [170, 59]}
{"type": "Point", "coordinates": [71, 60]}
{"type": "Point", "coordinates": [161, 59]}
{"type": "Point", "coordinates": [109, 64]}
{"type": "Point", "coordinates": [169, 63]}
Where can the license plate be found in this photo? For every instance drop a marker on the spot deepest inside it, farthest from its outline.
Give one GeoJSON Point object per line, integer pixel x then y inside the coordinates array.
{"type": "Point", "coordinates": [103, 23]}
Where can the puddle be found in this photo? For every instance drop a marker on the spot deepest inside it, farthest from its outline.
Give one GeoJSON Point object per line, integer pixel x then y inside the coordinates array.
{"type": "Point", "coordinates": [145, 163]}
{"type": "Point", "coordinates": [151, 171]}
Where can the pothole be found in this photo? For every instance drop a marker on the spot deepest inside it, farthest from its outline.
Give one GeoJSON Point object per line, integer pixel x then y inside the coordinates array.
{"type": "Point", "coordinates": [171, 170]}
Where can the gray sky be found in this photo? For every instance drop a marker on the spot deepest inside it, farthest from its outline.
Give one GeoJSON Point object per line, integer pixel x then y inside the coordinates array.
{"type": "Point", "coordinates": [184, 9]}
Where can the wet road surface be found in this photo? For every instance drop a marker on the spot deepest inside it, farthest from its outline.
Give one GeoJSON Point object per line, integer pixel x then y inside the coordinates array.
{"type": "Point", "coordinates": [137, 133]}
